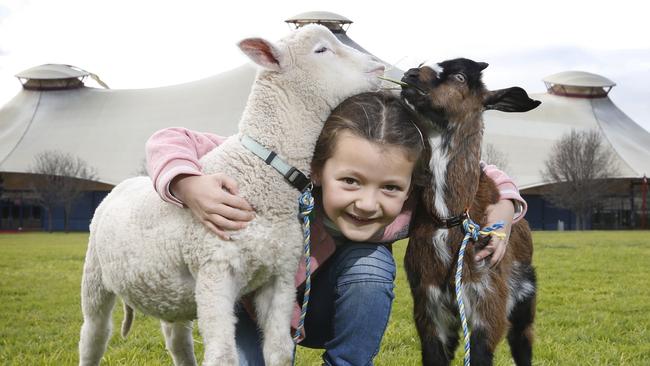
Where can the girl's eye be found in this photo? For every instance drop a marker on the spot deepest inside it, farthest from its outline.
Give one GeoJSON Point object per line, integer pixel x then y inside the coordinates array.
{"type": "Point", "coordinates": [459, 77]}
{"type": "Point", "coordinates": [349, 181]}
{"type": "Point", "coordinates": [392, 188]}
{"type": "Point", "coordinates": [321, 50]}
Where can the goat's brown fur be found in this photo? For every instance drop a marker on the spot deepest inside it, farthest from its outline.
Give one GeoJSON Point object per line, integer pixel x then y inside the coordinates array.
{"type": "Point", "coordinates": [454, 105]}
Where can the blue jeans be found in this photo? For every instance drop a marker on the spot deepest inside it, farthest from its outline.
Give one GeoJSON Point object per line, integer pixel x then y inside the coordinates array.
{"type": "Point", "coordinates": [349, 307]}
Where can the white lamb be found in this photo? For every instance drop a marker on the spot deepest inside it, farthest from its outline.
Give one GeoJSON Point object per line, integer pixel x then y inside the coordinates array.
{"type": "Point", "coordinates": [163, 262]}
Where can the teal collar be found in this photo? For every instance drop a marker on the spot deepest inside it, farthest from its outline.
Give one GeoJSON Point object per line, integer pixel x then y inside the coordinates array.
{"type": "Point", "coordinates": [294, 176]}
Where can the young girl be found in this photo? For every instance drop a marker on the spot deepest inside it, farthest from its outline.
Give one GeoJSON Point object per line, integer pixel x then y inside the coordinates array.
{"type": "Point", "coordinates": [364, 167]}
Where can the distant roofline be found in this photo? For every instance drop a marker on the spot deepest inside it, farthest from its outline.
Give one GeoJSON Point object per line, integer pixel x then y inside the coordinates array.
{"type": "Point", "coordinates": [52, 72]}
{"type": "Point", "coordinates": [579, 78]}
{"type": "Point", "coordinates": [334, 22]}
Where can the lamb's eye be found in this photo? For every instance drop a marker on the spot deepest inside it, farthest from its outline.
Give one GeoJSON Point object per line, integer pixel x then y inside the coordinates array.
{"type": "Point", "coordinates": [321, 50]}
{"type": "Point", "coordinates": [459, 77]}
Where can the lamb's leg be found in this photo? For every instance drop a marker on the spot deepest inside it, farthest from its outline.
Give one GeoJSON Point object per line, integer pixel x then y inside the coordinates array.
{"type": "Point", "coordinates": [96, 305]}
{"type": "Point", "coordinates": [216, 293]}
{"type": "Point", "coordinates": [520, 336]}
{"type": "Point", "coordinates": [179, 342]}
{"type": "Point", "coordinates": [274, 306]}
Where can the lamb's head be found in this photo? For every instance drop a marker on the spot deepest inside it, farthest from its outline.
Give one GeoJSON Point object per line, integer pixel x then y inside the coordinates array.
{"type": "Point", "coordinates": [452, 92]}
{"type": "Point", "coordinates": [311, 63]}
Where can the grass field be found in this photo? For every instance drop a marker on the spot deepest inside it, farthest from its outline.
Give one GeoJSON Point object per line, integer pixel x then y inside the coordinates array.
{"type": "Point", "coordinates": [593, 305]}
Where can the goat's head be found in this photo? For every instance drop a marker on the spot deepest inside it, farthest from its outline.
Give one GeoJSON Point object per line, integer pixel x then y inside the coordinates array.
{"type": "Point", "coordinates": [453, 92]}
{"type": "Point", "coordinates": [312, 60]}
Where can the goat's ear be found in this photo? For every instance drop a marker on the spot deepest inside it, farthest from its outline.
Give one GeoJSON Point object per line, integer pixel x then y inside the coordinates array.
{"type": "Point", "coordinates": [513, 99]}
{"type": "Point", "coordinates": [262, 52]}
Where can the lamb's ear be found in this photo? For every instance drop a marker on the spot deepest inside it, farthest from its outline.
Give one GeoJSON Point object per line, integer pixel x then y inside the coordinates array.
{"type": "Point", "coordinates": [262, 52]}
{"type": "Point", "coordinates": [513, 99]}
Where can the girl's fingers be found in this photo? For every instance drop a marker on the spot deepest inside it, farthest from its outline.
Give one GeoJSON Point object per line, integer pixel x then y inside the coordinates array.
{"type": "Point", "coordinates": [234, 214]}
{"type": "Point", "coordinates": [223, 223]}
{"type": "Point", "coordinates": [220, 233]}
{"type": "Point", "coordinates": [235, 202]}
{"type": "Point", "coordinates": [229, 183]}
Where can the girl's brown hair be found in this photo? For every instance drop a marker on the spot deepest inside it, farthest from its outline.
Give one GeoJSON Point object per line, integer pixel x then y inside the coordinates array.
{"type": "Point", "coordinates": [379, 117]}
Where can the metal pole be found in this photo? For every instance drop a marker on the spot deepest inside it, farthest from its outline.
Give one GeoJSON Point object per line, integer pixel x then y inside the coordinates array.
{"type": "Point", "coordinates": [644, 191]}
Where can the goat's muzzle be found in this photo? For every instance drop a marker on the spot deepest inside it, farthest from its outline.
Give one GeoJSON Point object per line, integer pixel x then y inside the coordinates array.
{"type": "Point", "coordinates": [412, 80]}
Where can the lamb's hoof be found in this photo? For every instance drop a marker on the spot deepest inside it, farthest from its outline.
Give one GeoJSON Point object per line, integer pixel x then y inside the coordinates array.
{"type": "Point", "coordinates": [281, 355]}
{"type": "Point", "coordinates": [226, 360]}
{"type": "Point", "coordinates": [279, 359]}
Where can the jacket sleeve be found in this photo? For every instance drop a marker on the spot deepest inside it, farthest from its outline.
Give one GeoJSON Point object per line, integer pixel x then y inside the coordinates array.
{"type": "Point", "coordinates": [174, 151]}
{"type": "Point", "coordinates": [507, 189]}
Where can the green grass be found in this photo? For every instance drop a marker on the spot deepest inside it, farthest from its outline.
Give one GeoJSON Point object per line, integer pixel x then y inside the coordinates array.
{"type": "Point", "coordinates": [593, 305]}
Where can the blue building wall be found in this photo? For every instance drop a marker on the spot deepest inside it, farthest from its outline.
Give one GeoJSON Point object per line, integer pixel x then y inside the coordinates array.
{"type": "Point", "coordinates": [82, 213]}
{"type": "Point", "coordinates": [542, 215]}
{"type": "Point", "coordinates": [17, 214]}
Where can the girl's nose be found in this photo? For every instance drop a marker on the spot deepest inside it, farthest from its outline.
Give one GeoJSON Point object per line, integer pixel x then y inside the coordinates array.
{"type": "Point", "coordinates": [366, 202]}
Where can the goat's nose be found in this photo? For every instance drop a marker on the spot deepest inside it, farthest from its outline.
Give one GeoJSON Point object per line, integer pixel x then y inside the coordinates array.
{"type": "Point", "coordinates": [412, 73]}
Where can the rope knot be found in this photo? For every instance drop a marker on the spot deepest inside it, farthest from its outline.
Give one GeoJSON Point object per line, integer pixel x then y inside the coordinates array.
{"type": "Point", "coordinates": [306, 203]}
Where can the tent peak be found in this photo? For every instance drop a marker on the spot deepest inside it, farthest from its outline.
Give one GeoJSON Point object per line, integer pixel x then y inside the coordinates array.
{"type": "Point", "coordinates": [334, 22]}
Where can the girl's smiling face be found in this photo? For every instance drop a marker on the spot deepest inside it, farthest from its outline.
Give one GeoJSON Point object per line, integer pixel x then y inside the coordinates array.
{"type": "Point", "coordinates": [364, 185]}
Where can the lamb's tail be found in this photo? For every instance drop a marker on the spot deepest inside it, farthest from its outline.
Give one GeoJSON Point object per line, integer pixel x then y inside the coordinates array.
{"type": "Point", "coordinates": [128, 319]}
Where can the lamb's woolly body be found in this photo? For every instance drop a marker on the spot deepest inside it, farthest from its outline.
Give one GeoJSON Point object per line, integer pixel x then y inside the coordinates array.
{"type": "Point", "coordinates": [166, 264]}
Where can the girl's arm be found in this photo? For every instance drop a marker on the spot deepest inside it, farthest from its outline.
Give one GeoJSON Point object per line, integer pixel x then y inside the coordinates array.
{"type": "Point", "coordinates": [510, 209]}
{"type": "Point", "coordinates": [173, 164]}
{"type": "Point", "coordinates": [509, 194]}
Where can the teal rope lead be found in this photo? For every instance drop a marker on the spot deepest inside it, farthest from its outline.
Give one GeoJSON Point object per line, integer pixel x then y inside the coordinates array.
{"type": "Point", "coordinates": [472, 231]}
{"type": "Point", "coordinates": [306, 205]}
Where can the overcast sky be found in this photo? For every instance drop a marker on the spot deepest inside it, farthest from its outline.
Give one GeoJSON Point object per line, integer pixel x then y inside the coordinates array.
{"type": "Point", "coordinates": [144, 44]}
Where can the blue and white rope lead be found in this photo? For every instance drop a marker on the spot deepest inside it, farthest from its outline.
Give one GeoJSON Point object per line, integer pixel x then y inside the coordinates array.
{"type": "Point", "coordinates": [306, 205]}
{"type": "Point", "coordinates": [472, 231]}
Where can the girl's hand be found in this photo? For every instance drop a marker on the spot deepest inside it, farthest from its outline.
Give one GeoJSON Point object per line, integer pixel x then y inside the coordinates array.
{"type": "Point", "coordinates": [504, 210]}
{"type": "Point", "coordinates": [213, 200]}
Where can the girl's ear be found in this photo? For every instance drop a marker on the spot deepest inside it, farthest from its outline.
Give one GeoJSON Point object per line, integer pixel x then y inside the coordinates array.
{"type": "Point", "coordinates": [262, 52]}
{"type": "Point", "coordinates": [316, 179]}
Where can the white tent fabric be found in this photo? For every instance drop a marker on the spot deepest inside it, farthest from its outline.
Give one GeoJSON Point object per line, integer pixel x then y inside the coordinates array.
{"type": "Point", "coordinates": [526, 139]}
{"type": "Point", "coordinates": [108, 128]}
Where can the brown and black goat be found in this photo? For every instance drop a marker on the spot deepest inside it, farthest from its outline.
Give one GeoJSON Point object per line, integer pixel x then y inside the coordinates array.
{"type": "Point", "coordinates": [452, 97]}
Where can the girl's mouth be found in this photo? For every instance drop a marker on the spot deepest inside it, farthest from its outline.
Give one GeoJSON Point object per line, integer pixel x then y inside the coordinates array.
{"type": "Point", "coordinates": [360, 220]}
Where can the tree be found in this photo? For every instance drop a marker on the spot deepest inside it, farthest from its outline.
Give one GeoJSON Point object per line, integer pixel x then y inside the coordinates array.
{"type": "Point", "coordinates": [580, 165]}
{"type": "Point", "coordinates": [60, 180]}
{"type": "Point", "coordinates": [492, 155]}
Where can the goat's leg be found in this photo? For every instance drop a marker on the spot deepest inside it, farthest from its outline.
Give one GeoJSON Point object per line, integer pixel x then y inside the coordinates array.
{"type": "Point", "coordinates": [439, 336]}
{"type": "Point", "coordinates": [97, 306]}
{"type": "Point", "coordinates": [481, 352]}
{"type": "Point", "coordinates": [216, 293]}
{"type": "Point", "coordinates": [522, 316]}
{"type": "Point", "coordinates": [179, 342]}
{"type": "Point", "coordinates": [274, 306]}
{"type": "Point", "coordinates": [488, 323]}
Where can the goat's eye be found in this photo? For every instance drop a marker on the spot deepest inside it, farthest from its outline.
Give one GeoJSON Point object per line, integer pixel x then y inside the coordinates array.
{"type": "Point", "coordinates": [321, 50]}
{"type": "Point", "coordinates": [459, 77]}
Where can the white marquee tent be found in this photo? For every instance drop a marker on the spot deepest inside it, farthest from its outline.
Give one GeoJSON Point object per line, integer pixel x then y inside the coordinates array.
{"type": "Point", "coordinates": [108, 128]}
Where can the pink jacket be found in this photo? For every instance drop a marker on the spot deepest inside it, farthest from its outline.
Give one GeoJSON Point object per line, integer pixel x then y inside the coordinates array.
{"type": "Point", "coordinates": [175, 151]}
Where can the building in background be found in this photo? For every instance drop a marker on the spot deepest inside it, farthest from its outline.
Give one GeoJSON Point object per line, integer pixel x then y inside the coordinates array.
{"type": "Point", "coordinates": [108, 128]}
